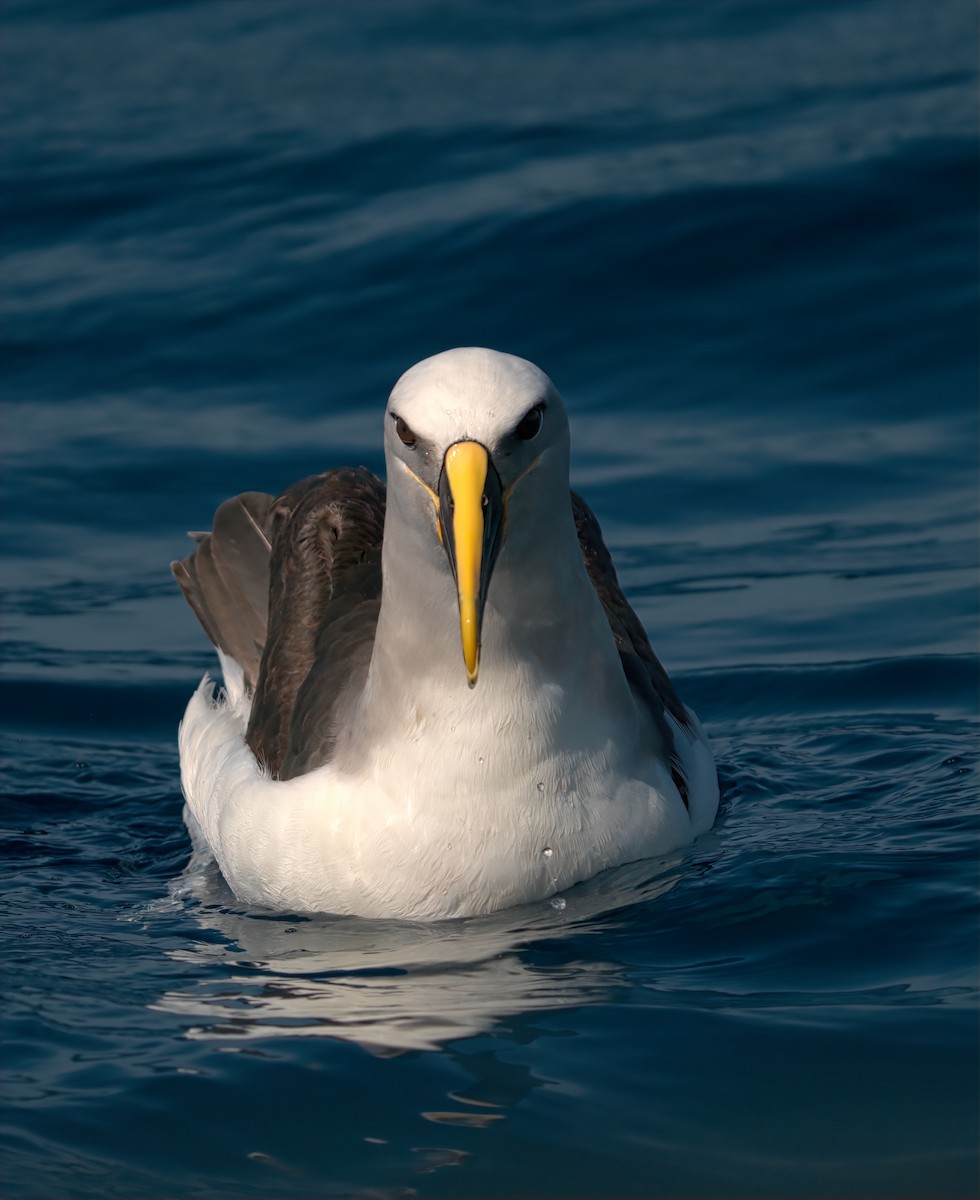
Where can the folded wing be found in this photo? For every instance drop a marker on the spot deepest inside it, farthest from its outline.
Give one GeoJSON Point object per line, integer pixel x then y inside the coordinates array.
{"type": "Point", "coordinates": [290, 587]}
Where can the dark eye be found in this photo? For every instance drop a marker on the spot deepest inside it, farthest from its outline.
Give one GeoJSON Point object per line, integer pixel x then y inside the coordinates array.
{"type": "Point", "coordinates": [530, 425]}
{"type": "Point", "coordinates": [408, 438]}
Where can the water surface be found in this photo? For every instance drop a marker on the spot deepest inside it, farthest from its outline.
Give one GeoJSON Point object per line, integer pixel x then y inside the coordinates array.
{"type": "Point", "coordinates": [741, 236]}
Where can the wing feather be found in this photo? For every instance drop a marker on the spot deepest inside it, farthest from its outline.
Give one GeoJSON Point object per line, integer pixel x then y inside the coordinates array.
{"type": "Point", "coordinates": [645, 673]}
{"type": "Point", "coordinates": [290, 587]}
{"type": "Point", "coordinates": [226, 579]}
{"type": "Point", "coordinates": [324, 600]}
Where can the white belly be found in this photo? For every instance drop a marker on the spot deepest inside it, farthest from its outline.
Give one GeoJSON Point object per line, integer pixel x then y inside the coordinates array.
{"type": "Point", "coordinates": [418, 834]}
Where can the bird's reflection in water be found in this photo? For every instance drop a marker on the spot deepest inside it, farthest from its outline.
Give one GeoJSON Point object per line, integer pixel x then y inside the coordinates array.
{"type": "Point", "coordinates": [394, 986]}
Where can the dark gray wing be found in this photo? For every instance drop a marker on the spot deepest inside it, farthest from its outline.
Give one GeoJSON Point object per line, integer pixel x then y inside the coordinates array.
{"type": "Point", "coordinates": [226, 579]}
{"type": "Point", "coordinates": [319, 565]}
{"type": "Point", "coordinates": [646, 676]}
{"type": "Point", "coordinates": [324, 600]}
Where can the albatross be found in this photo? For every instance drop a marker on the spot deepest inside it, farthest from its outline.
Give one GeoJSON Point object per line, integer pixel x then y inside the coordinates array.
{"type": "Point", "coordinates": [437, 700]}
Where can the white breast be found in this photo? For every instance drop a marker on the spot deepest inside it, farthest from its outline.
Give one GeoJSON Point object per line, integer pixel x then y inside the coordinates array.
{"type": "Point", "coordinates": [499, 817]}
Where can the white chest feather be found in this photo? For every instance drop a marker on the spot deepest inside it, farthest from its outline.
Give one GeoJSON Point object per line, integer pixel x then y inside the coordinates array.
{"type": "Point", "coordinates": [452, 814]}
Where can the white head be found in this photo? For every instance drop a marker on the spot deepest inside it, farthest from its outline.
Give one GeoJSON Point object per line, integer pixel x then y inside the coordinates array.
{"type": "Point", "coordinates": [472, 438]}
{"type": "Point", "coordinates": [481, 395]}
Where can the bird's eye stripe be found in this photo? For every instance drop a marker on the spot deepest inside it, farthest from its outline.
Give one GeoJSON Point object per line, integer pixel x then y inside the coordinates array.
{"type": "Point", "coordinates": [406, 435]}
{"type": "Point", "coordinates": [530, 424]}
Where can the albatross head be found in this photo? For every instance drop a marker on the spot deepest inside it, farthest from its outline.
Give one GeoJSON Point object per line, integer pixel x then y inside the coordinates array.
{"type": "Point", "coordinates": [473, 437]}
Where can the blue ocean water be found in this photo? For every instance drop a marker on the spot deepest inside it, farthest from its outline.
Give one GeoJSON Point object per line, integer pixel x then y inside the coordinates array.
{"type": "Point", "coordinates": [741, 236]}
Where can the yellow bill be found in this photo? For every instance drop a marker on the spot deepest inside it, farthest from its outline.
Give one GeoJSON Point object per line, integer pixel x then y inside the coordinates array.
{"type": "Point", "coordinates": [470, 511]}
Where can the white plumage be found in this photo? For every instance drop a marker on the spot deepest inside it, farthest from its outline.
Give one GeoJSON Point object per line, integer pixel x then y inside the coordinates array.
{"type": "Point", "coordinates": [442, 799]}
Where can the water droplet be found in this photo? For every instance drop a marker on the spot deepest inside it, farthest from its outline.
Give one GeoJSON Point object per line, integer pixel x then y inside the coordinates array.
{"type": "Point", "coordinates": [547, 852]}
{"type": "Point", "coordinates": [540, 787]}
{"type": "Point", "coordinates": [559, 903]}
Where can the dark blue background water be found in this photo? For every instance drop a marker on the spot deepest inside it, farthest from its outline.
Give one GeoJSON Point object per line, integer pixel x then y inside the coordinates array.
{"type": "Point", "coordinates": [741, 235]}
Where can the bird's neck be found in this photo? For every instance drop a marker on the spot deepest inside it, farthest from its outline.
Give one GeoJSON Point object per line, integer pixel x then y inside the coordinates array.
{"type": "Point", "coordinates": [548, 658]}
